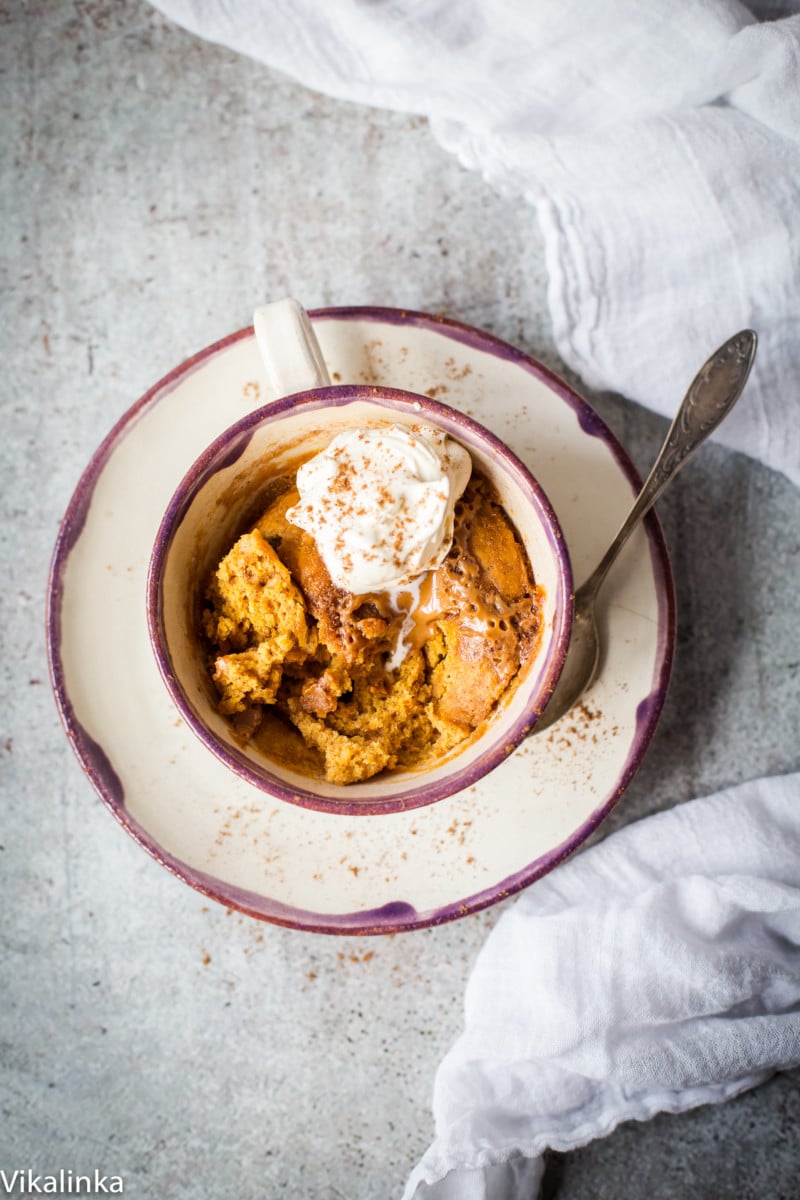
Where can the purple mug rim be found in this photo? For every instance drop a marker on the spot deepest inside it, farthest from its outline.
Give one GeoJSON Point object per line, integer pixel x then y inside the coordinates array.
{"type": "Point", "coordinates": [228, 446]}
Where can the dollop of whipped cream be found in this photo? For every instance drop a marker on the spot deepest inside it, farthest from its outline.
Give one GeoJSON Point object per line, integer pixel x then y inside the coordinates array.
{"type": "Point", "coordinates": [379, 503]}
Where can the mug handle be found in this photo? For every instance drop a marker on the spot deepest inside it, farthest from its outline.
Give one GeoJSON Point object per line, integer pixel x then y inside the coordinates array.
{"type": "Point", "coordinates": [289, 348]}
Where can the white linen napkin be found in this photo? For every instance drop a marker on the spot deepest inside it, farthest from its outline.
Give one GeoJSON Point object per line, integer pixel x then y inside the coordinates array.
{"type": "Point", "coordinates": [657, 971]}
{"type": "Point", "coordinates": [660, 146]}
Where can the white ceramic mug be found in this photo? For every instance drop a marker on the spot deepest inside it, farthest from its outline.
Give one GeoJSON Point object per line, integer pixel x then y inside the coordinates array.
{"type": "Point", "coordinates": [218, 497]}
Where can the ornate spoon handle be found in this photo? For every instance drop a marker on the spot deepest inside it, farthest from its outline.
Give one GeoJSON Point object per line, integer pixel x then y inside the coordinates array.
{"type": "Point", "coordinates": [712, 394]}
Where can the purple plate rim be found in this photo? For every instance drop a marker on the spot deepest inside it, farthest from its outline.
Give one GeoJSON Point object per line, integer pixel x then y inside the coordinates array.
{"type": "Point", "coordinates": [398, 916]}
{"type": "Point", "coordinates": [228, 446]}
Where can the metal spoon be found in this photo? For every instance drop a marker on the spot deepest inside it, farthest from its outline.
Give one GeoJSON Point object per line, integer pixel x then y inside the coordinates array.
{"type": "Point", "coordinates": [713, 393]}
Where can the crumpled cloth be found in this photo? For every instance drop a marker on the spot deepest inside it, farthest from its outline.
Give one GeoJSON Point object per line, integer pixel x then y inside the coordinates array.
{"type": "Point", "coordinates": [657, 971]}
{"type": "Point", "coordinates": [659, 144]}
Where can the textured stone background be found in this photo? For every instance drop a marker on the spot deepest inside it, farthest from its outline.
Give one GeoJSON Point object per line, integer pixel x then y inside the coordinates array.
{"type": "Point", "coordinates": [154, 189]}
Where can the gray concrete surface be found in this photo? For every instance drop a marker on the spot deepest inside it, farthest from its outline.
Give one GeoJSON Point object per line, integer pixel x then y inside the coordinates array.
{"type": "Point", "coordinates": [153, 189]}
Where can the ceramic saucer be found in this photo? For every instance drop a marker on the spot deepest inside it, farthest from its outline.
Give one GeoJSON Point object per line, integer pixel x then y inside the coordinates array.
{"type": "Point", "coordinates": [337, 873]}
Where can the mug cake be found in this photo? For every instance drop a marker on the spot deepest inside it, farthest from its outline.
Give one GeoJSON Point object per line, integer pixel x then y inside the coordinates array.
{"type": "Point", "coordinates": [376, 613]}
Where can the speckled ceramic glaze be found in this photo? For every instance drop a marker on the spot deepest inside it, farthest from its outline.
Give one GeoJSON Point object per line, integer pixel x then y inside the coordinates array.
{"type": "Point", "coordinates": [205, 516]}
{"type": "Point", "coordinates": [334, 872]}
